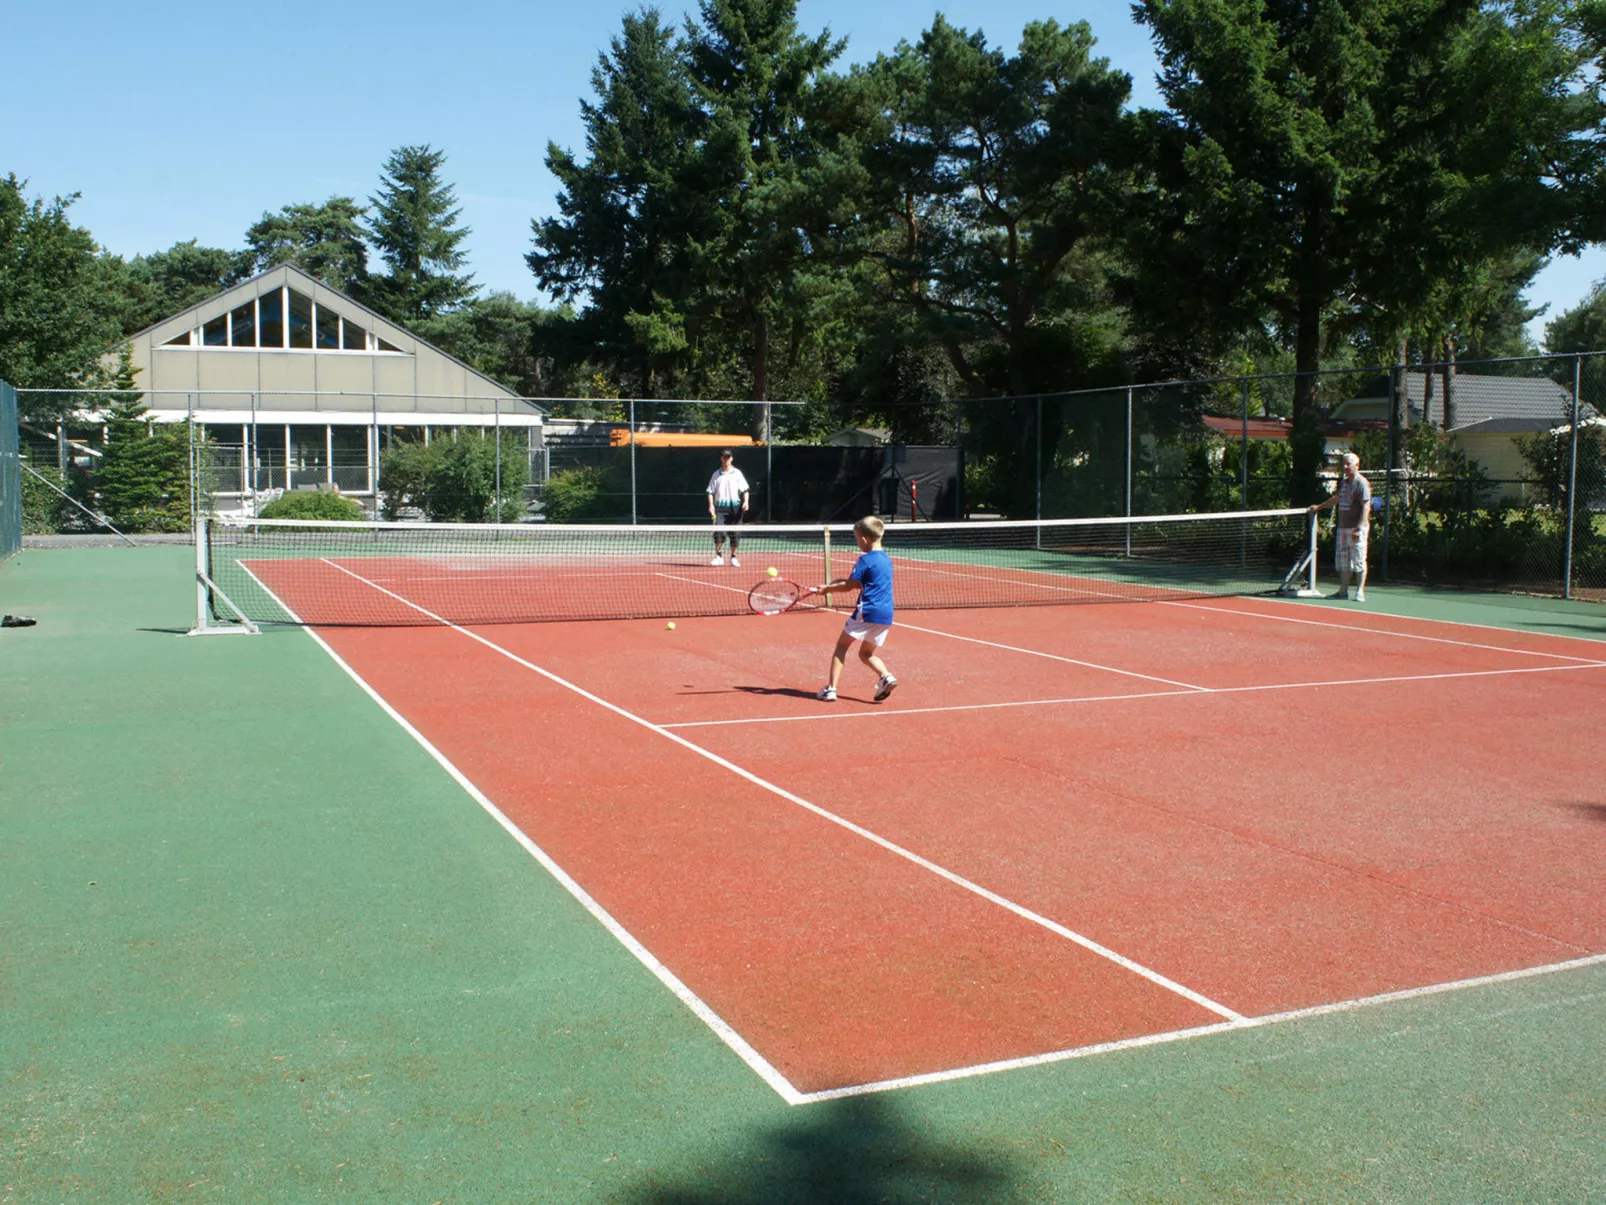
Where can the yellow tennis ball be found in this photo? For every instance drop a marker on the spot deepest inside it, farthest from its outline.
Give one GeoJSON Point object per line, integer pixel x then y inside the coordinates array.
{"type": "Point", "coordinates": [772, 571]}
{"type": "Point", "coordinates": [670, 625]}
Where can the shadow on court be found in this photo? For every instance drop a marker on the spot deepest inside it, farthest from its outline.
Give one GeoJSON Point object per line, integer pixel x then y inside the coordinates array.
{"type": "Point", "coordinates": [1595, 811]}
{"type": "Point", "coordinates": [788, 692]}
{"type": "Point", "coordinates": [852, 1152]}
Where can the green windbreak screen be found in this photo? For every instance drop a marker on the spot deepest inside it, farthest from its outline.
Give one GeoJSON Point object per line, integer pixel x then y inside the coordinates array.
{"type": "Point", "coordinates": [10, 474]}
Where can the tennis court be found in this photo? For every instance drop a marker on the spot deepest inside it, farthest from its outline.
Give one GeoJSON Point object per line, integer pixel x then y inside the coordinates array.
{"type": "Point", "coordinates": [1074, 827]}
{"type": "Point", "coordinates": [598, 910]}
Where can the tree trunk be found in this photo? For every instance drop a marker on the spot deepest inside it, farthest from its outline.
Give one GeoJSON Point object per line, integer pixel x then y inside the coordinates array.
{"type": "Point", "coordinates": [761, 374]}
{"type": "Point", "coordinates": [1448, 409]}
{"type": "Point", "coordinates": [1306, 440]}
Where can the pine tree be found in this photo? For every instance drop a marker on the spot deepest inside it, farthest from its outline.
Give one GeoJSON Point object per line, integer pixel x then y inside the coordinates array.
{"type": "Point", "coordinates": [142, 481]}
{"type": "Point", "coordinates": [325, 241]}
{"type": "Point", "coordinates": [414, 228]}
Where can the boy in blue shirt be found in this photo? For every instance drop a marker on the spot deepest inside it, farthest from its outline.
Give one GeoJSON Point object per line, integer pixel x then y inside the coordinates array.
{"type": "Point", "coordinates": [871, 620]}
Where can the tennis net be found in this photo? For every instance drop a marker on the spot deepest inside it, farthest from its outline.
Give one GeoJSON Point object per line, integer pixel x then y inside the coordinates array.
{"type": "Point", "coordinates": [338, 574]}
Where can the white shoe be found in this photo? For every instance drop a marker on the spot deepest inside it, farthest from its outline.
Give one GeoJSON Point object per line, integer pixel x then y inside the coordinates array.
{"type": "Point", "coordinates": [735, 564]}
{"type": "Point", "coordinates": [719, 560]}
{"type": "Point", "coordinates": [827, 694]}
{"type": "Point", "coordinates": [885, 687]}
{"type": "Point", "coordinates": [1360, 596]}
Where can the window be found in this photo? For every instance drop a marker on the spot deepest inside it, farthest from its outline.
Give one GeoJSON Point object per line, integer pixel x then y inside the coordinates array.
{"type": "Point", "coordinates": [243, 324]}
{"type": "Point", "coordinates": [215, 333]}
{"type": "Point", "coordinates": [179, 340]}
{"type": "Point", "coordinates": [383, 346]}
{"type": "Point", "coordinates": [270, 308]}
{"type": "Point", "coordinates": [328, 328]}
{"type": "Point", "coordinates": [300, 320]}
{"type": "Point", "coordinates": [355, 338]}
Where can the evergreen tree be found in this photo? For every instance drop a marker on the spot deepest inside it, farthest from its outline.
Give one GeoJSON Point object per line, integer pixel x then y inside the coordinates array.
{"type": "Point", "coordinates": [754, 74]}
{"type": "Point", "coordinates": [325, 241]}
{"type": "Point", "coordinates": [630, 215]}
{"type": "Point", "coordinates": [142, 481]}
{"type": "Point", "coordinates": [1319, 153]}
{"type": "Point", "coordinates": [163, 283]}
{"type": "Point", "coordinates": [57, 314]}
{"type": "Point", "coordinates": [414, 228]}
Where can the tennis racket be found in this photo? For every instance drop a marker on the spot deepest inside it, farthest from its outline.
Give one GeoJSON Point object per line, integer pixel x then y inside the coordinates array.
{"type": "Point", "coordinates": [775, 595]}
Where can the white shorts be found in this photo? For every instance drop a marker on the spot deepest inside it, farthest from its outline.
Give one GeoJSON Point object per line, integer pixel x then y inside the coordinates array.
{"type": "Point", "coordinates": [1349, 554]}
{"type": "Point", "coordinates": [870, 633]}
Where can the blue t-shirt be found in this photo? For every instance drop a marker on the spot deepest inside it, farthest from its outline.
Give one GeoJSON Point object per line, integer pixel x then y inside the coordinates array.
{"type": "Point", "coordinates": [874, 570]}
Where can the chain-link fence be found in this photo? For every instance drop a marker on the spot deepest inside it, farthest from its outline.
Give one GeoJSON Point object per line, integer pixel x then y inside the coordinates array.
{"type": "Point", "coordinates": [1485, 474]}
{"type": "Point", "coordinates": [10, 474]}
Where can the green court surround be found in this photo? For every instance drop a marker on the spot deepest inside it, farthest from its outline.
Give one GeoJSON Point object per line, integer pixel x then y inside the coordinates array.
{"type": "Point", "coordinates": [255, 945]}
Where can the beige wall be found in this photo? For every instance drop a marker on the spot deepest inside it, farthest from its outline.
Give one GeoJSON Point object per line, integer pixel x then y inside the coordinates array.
{"type": "Point", "coordinates": [343, 381]}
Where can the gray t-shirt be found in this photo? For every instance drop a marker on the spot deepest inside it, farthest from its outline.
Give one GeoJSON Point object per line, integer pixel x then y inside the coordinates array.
{"type": "Point", "coordinates": [1354, 502]}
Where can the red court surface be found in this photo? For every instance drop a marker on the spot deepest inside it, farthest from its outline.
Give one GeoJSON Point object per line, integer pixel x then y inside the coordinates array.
{"type": "Point", "coordinates": [1070, 826]}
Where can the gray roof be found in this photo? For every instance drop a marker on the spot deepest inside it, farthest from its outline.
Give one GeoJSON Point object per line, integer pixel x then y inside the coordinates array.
{"type": "Point", "coordinates": [1517, 403]}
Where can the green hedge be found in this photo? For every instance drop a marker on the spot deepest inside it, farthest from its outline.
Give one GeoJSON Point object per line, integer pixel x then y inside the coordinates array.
{"type": "Point", "coordinates": [312, 504]}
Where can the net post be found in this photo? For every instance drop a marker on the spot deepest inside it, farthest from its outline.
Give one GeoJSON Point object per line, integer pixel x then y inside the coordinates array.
{"type": "Point", "coordinates": [1310, 584]}
{"type": "Point", "coordinates": [206, 590]}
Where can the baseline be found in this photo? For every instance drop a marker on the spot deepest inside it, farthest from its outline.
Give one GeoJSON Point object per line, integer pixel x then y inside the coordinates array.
{"type": "Point", "coordinates": [1200, 1031]}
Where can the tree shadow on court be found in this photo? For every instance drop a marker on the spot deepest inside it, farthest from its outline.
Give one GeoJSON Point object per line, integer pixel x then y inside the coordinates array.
{"type": "Point", "coordinates": [850, 1152]}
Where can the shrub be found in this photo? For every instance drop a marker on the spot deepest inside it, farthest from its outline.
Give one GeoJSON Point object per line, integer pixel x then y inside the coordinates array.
{"type": "Point", "coordinates": [312, 504]}
{"type": "Point", "coordinates": [455, 480]}
{"type": "Point", "coordinates": [577, 495]}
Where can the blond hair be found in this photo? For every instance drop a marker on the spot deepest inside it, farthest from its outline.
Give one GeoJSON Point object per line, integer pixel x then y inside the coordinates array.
{"type": "Point", "coordinates": [870, 526]}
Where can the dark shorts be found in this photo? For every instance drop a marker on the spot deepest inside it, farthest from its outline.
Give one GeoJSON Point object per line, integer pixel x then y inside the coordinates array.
{"type": "Point", "coordinates": [728, 516]}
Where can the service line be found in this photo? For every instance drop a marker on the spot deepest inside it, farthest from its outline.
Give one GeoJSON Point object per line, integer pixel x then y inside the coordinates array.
{"type": "Point", "coordinates": [1145, 694]}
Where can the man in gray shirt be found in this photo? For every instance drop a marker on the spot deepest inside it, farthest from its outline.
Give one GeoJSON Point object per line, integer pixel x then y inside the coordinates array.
{"type": "Point", "coordinates": [1353, 498]}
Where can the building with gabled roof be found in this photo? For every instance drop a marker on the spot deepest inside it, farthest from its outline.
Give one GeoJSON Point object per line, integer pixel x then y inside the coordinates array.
{"type": "Point", "coordinates": [298, 385]}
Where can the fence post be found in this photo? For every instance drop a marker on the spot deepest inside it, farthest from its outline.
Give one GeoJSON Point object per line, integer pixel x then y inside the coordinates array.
{"type": "Point", "coordinates": [1388, 477]}
{"type": "Point", "coordinates": [498, 402]}
{"type": "Point", "coordinates": [1572, 484]}
{"type": "Point", "coordinates": [373, 463]}
{"type": "Point", "coordinates": [769, 463]}
{"type": "Point", "coordinates": [1039, 447]}
{"type": "Point", "coordinates": [1243, 480]}
{"type": "Point", "coordinates": [1129, 470]}
{"type": "Point", "coordinates": [632, 461]}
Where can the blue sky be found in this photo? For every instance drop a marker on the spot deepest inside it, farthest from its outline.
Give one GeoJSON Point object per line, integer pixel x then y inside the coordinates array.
{"type": "Point", "coordinates": [189, 121]}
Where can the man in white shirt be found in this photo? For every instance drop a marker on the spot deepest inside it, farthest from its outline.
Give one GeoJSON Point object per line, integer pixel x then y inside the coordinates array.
{"type": "Point", "coordinates": [727, 505]}
{"type": "Point", "coordinates": [1353, 498]}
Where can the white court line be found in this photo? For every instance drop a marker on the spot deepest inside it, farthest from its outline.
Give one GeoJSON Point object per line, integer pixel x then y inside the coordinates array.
{"type": "Point", "coordinates": [1351, 627]}
{"type": "Point", "coordinates": [1300, 1014]}
{"type": "Point", "coordinates": [699, 1008]}
{"type": "Point", "coordinates": [1109, 669]}
{"type": "Point", "coordinates": [1146, 694]}
{"type": "Point", "coordinates": [943, 872]}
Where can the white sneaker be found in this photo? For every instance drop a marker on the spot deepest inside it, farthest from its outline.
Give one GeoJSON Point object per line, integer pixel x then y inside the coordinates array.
{"type": "Point", "coordinates": [735, 564]}
{"type": "Point", "coordinates": [1360, 596]}
{"type": "Point", "coordinates": [885, 687]}
{"type": "Point", "coordinates": [719, 560]}
{"type": "Point", "coordinates": [827, 694]}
